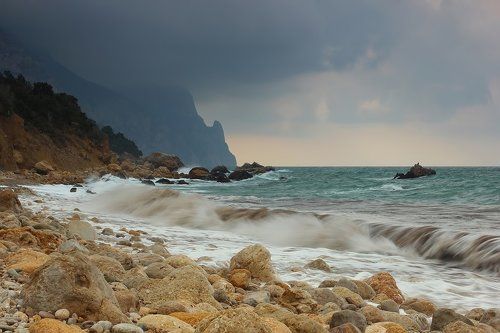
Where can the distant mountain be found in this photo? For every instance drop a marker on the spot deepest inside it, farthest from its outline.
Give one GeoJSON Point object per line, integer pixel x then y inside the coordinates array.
{"type": "Point", "coordinates": [156, 119]}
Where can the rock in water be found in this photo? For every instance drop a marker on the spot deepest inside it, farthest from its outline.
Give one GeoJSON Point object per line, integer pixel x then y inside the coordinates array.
{"type": "Point", "coordinates": [72, 282]}
{"type": "Point", "coordinates": [319, 264]}
{"type": "Point", "coordinates": [199, 173]}
{"type": "Point", "coordinates": [9, 201]}
{"type": "Point", "coordinates": [240, 175]}
{"type": "Point", "coordinates": [257, 260]}
{"type": "Point", "coordinates": [416, 171]}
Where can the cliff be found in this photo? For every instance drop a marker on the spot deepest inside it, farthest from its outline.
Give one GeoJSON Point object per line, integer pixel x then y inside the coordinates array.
{"type": "Point", "coordinates": [163, 119]}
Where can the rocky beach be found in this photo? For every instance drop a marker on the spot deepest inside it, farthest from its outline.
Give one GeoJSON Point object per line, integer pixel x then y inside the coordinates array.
{"type": "Point", "coordinates": [64, 269]}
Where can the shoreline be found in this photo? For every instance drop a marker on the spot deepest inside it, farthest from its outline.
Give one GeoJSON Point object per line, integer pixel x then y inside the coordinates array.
{"type": "Point", "coordinates": [298, 298]}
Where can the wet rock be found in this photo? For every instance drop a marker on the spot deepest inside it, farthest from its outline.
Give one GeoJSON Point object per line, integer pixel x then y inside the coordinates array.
{"type": "Point", "coordinates": [9, 201]}
{"type": "Point", "coordinates": [233, 321]}
{"type": "Point", "coordinates": [182, 182]}
{"type": "Point", "coordinates": [220, 169]}
{"type": "Point", "coordinates": [327, 284]}
{"type": "Point", "coordinates": [164, 324]}
{"type": "Point", "coordinates": [348, 316]}
{"type": "Point", "coordinates": [148, 182]}
{"type": "Point", "coordinates": [72, 282]}
{"type": "Point", "coordinates": [257, 260]}
{"type": "Point", "coordinates": [107, 232]}
{"type": "Point", "coordinates": [254, 168]}
{"type": "Point", "coordinates": [319, 264]}
{"type": "Point", "coordinates": [416, 171]}
{"type": "Point", "coordinates": [443, 317]}
{"type": "Point", "coordinates": [73, 189]}
{"type": "Point", "coordinates": [164, 181]}
{"type": "Point", "coordinates": [240, 175]}
{"type": "Point", "coordinates": [384, 283]}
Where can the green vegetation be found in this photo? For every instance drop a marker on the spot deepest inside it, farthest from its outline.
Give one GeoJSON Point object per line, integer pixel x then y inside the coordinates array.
{"type": "Point", "coordinates": [120, 144]}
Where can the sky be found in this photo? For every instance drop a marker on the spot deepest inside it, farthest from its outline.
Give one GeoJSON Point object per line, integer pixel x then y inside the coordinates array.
{"type": "Point", "coordinates": [339, 82]}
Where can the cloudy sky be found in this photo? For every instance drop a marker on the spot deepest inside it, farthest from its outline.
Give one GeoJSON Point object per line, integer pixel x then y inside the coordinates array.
{"type": "Point", "coordinates": [316, 82]}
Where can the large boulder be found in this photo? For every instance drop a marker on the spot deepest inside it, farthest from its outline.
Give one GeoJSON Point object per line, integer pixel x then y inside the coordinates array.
{"type": "Point", "coordinates": [72, 282]}
{"type": "Point", "coordinates": [82, 229]}
{"type": "Point", "coordinates": [188, 284]}
{"type": "Point", "coordinates": [198, 173]}
{"type": "Point", "coordinates": [111, 268]}
{"type": "Point", "coordinates": [157, 160]}
{"type": "Point", "coordinates": [47, 325]}
{"type": "Point", "coordinates": [240, 175]}
{"type": "Point", "coordinates": [257, 260]}
{"type": "Point", "coordinates": [26, 260]}
{"type": "Point", "coordinates": [233, 321]}
{"type": "Point", "coordinates": [384, 283]}
{"type": "Point", "coordinates": [158, 323]}
{"type": "Point", "coordinates": [9, 201]}
{"type": "Point", "coordinates": [43, 168]}
{"type": "Point", "coordinates": [416, 171]}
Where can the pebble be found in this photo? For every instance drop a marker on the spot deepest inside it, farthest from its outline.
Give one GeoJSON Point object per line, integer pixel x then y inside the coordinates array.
{"type": "Point", "coordinates": [13, 273]}
{"type": "Point", "coordinates": [62, 314]}
{"type": "Point", "coordinates": [45, 314]}
{"type": "Point", "coordinates": [126, 328]}
{"type": "Point", "coordinates": [21, 316]}
{"type": "Point", "coordinates": [72, 321]}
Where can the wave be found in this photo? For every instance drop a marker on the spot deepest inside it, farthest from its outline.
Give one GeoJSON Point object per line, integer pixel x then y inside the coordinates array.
{"type": "Point", "coordinates": [281, 227]}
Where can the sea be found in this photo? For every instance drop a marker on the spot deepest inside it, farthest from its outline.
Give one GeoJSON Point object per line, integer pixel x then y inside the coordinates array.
{"type": "Point", "coordinates": [439, 236]}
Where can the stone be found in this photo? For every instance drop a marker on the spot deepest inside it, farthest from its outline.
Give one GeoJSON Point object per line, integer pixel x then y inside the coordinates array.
{"type": "Point", "coordinates": [26, 260]}
{"type": "Point", "coordinates": [179, 260]}
{"type": "Point", "coordinates": [349, 284]}
{"type": "Point", "coordinates": [276, 326]}
{"type": "Point", "coordinates": [327, 284]}
{"type": "Point", "coordinates": [257, 260]}
{"type": "Point", "coordinates": [43, 168]}
{"type": "Point", "coordinates": [422, 306]}
{"type": "Point", "coordinates": [233, 321]}
{"type": "Point", "coordinates": [349, 296]}
{"type": "Point", "coordinates": [384, 283]}
{"type": "Point", "coordinates": [255, 297]}
{"type": "Point", "coordinates": [348, 316]}
{"type": "Point", "coordinates": [295, 297]}
{"type": "Point", "coordinates": [62, 314]}
{"type": "Point", "coordinates": [406, 321]}
{"type": "Point", "coordinates": [443, 317]}
{"type": "Point", "coordinates": [158, 270]}
{"type": "Point", "coordinates": [475, 314]}
{"type": "Point", "coordinates": [111, 268]}
{"type": "Point", "coordinates": [303, 324]}
{"type": "Point", "coordinates": [9, 201]}
{"type": "Point", "coordinates": [47, 325]}
{"type": "Point", "coordinates": [72, 282]}
{"type": "Point", "coordinates": [163, 324]}
{"type": "Point", "coordinates": [345, 328]}
{"type": "Point", "coordinates": [240, 278]}
{"type": "Point", "coordinates": [107, 250]}
{"type": "Point", "coordinates": [82, 229]}
{"type": "Point", "coordinates": [364, 289]}
{"type": "Point", "coordinates": [186, 283]}
{"type": "Point", "coordinates": [146, 259]}
{"type": "Point", "coordinates": [461, 327]}
{"type": "Point", "coordinates": [72, 245]}
{"type": "Point", "coordinates": [107, 232]}
{"type": "Point", "coordinates": [169, 307]}
{"type": "Point", "coordinates": [191, 318]}
{"type": "Point", "coordinates": [385, 327]}
{"type": "Point", "coordinates": [171, 162]}
{"type": "Point", "coordinates": [198, 173]}
{"type": "Point", "coordinates": [127, 300]}
{"type": "Point", "coordinates": [389, 305]}
{"type": "Point", "coordinates": [159, 249]}
{"type": "Point", "coordinates": [372, 314]}
{"type": "Point", "coordinates": [126, 328]}
{"type": "Point", "coordinates": [325, 295]}
{"type": "Point", "coordinates": [319, 264]}
{"type": "Point", "coordinates": [416, 171]}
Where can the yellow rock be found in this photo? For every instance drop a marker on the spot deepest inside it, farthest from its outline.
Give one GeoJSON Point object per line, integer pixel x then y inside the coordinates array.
{"type": "Point", "coordinates": [53, 326]}
{"type": "Point", "coordinates": [189, 317]}
{"type": "Point", "coordinates": [165, 324]}
{"type": "Point", "coordinates": [276, 326]}
{"type": "Point", "coordinates": [26, 260]}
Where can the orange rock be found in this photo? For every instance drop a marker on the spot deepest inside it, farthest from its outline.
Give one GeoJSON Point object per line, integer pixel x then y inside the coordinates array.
{"type": "Point", "coordinates": [384, 283]}
{"type": "Point", "coordinates": [276, 326]}
{"type": "Point", "coordinates": [385, 327]}
{"type": "Point", "coordinates": [422, 306]}
{"type": "Point", "coordinates": [53, 326]}
{"type": "Point", "coordinates": [26, 260]}
{"type": "Point", "coordinates": [9, 201]}
{"type": "Point", "coordinates": [28, 237]}
{"type": "Point", "coordinates": [240, 278]}
{"type": "Point", "coordinates": [190, 318]}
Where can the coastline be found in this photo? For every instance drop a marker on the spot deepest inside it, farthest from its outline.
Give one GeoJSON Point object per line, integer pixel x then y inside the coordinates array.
{"type": "Point", "coordinates": [302, 307]}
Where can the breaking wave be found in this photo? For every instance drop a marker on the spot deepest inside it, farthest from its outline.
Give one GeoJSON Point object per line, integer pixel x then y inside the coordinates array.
{"type": "Point", "coordinates": [289, 228]}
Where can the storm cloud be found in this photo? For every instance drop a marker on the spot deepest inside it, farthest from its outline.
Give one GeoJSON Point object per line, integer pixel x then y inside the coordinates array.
{"type": "Point", "coordinates": [297, 71]}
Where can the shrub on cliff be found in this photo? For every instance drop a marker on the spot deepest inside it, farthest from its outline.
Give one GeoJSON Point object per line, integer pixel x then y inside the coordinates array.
{"type": "Point", "coordinates": [120, 144]}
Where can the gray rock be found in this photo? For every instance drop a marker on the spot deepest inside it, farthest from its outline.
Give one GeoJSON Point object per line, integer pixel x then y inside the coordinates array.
{"type": "Point", "coordinates": [389, 305]}
{"type": "Point", "coordinates": [346, 283]}
{"type": "Point", "coordinates": [257, 297]}
{"type": "Point", "coordinates": [443, 317]}
{"type": "Point", "coordinates": [126, 328]}
{"type": "Point", "coordinates": [107, 232]}
{"type": "Point", "coordinates": [72, 245]}
{"type": "Point", "coordinates": [348, 316]}
{"type": "Point", "coordinates": [82, 229]}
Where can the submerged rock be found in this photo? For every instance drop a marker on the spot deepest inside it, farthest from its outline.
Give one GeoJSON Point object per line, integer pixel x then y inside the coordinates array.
{"type": "Point", "coordinates": [416, 171]}
{"type": "Point", "coordinates": [240, 175]}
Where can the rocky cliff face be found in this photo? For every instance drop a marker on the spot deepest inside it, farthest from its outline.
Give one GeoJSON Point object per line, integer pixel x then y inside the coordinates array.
{"type": "Point", "coordinates": [156, 119]}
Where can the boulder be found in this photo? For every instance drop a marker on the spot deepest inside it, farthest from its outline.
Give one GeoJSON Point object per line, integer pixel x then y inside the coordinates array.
{"type": "Point", "coordinates": [240, 278]}
{"type": "Point", "coordinates": [126, 328]}
{"type": "Point", "coordinates": [220, 169]}
{"type": "Point", "coordinates": [303, 324]}
{"type": "Point", "coordinates": [47, 325]}
{"type": "Point", "coordinates": [406, 321]}
{"type": "Point", "coordinates": [415, 171]}
{"type": "Point", "coordinates": [82, 229]}
{"type": "Point", "coordinates": [111, 268]}
{"type": "Point", "coordinates": [461, 327]}
{"type": "Point", "coordinates": [389, 305]}
{"type": "Point", "coordinates": [350, 296]}
{"type": "Point", "coordinates": [276, 326]}
{"type": "Point", "coordinates": [364, 290]}
{"type": "Point", "coordinates": [384, 283]}
{"type": "Point", "coordinates": [320, 265]}
{"type": "Point", "coordinates": [158, 270]}
{"type": "Point", "coordinates": [325, 295]}
{"type": "Point", "coordinates": [348, 316]}
{"type": "Point", "coordinates": [107, 250]}
{"type": "Point", "coordinates": [9, 201]}
{"type": "Point", "coordinates": [43, 168]}
{"type": "Point", "coordinates": [372, 314]}
{"type": "Point", "coordinates": [47, 241]}
{"type": "Point", "coordinates": [164, 181]}
{"type": "Point", "coordinates": [164, 324]}
{"type": "Point", "coordinates": [72, 282]}
{"type": "Point", "coordinates": [345, 328]}
{"type": "Point", "coordinates": [233, 321]}
{"type": "Point", "coordinates": [26, 260]}
{"type": "Point", "coordinates": [191, 318]}
{"type": "Point", "coordinates": [157, 160]}
{"type": "Point", "coordinates": [385, 327]}
{"type": "Point", "coordinates": [127, 300]}
{"type": "Point", "coordinates": [198, 173]}
{"type": "Point", "coordinates": [254, 168]}
{"type": "Point", "coordinates": [443, 317]}
{"type": "Point", "coordinates": [257, 260]}
{"type": "Point", "coordinates": [422, 306]}
{"type": "Point", "coordinates": [240, 175]}
{"type": "Point", "coordinates": [187, 283]}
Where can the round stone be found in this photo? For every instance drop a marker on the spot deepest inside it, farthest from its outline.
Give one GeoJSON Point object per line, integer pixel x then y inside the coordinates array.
{"type": "Point", "coordinates": [62, 314]}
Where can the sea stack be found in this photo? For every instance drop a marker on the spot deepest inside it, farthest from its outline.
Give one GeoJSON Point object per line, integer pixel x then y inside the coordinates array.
{"type": "Point", "coordinates": [415, 171]}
